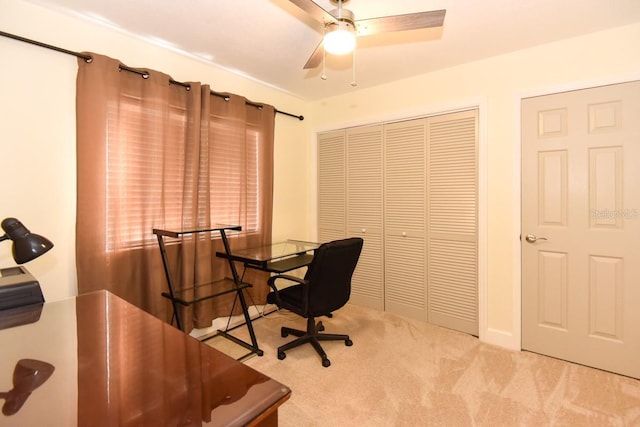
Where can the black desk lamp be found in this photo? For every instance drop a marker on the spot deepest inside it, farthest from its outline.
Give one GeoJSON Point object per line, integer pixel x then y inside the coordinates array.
{"type": "Point", "coordinates": [18, 288]}
{"type": "Point", "coordinates": [21, 302]}
{"type": "Point", "coordinates": [26, 245]}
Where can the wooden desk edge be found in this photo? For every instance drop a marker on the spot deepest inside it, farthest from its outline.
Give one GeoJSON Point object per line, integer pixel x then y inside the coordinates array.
{"type": "Point", "coordinates": [269, 417]}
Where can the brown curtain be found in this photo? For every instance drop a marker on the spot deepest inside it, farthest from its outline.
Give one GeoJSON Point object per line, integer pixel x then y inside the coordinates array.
{"type": "Point", "coordinates": [152, 154]}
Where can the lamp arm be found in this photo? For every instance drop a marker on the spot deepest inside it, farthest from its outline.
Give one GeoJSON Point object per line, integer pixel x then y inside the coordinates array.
{"type": "Point", "coordinates": [5, 237]}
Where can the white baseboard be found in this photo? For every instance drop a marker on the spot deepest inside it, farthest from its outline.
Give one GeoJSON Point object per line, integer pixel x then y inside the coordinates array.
{"type": "Point", "coordinates": [255, 311]}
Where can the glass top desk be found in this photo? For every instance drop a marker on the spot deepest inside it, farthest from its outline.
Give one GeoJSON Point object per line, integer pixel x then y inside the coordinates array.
{"type": "Point", "coordinates": [98, 360]}
{"type": "Point", "coordinates": [276, 258]}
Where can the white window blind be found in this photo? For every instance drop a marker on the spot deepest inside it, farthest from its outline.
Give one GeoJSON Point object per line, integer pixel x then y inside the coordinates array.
{"type": "Point", "coordinates": [150, 178]}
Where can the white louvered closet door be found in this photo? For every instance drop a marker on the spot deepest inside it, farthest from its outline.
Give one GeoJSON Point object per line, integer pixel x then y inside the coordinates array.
{"type": "Point", "coordinates": [452, 177]}
{"type": "Point", "coordinates": [331, 186]}
{"type": "Point", "coordinates": [405, 218]}
{"type": "Point", "coordinates": [410, 190]}
{"type": "Point", "coordinates": [364, 212]}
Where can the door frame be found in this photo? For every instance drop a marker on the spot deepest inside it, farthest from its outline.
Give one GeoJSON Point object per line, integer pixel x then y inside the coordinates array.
{"type": "Point", "coordinates": [516, 340]}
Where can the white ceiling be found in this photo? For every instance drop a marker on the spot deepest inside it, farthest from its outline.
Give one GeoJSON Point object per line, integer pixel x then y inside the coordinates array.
{"type": "Point", "coordinates": [270, 40]}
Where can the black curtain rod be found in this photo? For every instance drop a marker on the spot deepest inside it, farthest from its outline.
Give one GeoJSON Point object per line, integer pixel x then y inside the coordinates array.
{"type": "Point", "coordinates": [143, 73]}
{"type": "Point", "coordinates": [255, 104]}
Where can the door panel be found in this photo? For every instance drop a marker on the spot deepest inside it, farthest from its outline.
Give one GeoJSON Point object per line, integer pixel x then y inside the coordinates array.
{"type": "Point", "coordinates": [405, 275]}
{"type": "Point", "coordinates": [364, 212]}
{"type": "Point", "coordinates": [331, 187]}
{"type": "Point", "coordinates": [405, 189]}
{"type": "Point", "coordinates": [452, 226]}
{"type": "Point", "coordinates": [581, 201]}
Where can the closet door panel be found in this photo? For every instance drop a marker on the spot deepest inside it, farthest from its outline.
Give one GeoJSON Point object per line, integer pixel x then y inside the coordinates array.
{"type": "Point", "coordinates": [405, 218]}
{"type": "Point", "coordinates": [405, 181]}
{"type": "Point", "coordinates": [367, 284]}
{"type": "Point", "coordinates": [405, 276]}
{"type": "Point", "coordinates": [452, 178]}
{"type": "Point", "coordinates": [364, 212]}
{"type": "Point", "coordinates": [453, 299]}
{"type": "Point", "coordinates": [364, 178]}
{"type": "Point", "coordinates": [331, 186]}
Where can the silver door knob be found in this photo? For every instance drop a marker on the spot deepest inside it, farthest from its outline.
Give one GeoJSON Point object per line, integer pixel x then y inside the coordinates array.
{"type": "Point", "coordinates": [532, 238]}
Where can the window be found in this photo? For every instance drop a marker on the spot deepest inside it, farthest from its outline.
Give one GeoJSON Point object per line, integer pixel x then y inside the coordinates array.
{"type": "Point", "coordinates": [151, 173]}
{"type": "Point", "coordinates": [234, 179]}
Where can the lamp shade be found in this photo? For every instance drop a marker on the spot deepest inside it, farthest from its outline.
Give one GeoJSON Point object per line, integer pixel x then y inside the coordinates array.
{"type": "Point", "coordinates": [26, 245]}
{"type": "Point", "coordinates": [340, 38]}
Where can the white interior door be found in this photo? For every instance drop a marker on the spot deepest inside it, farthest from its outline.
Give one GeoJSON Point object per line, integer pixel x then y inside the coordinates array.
{"type": "Point", "coordinates": [581, 226]}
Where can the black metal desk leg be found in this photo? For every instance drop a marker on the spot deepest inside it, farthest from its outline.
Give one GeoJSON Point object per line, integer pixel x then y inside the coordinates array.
{"type": "Point", "coordinates": [243, 302]}
{"type": "Point", "coordinates": [167, 273]}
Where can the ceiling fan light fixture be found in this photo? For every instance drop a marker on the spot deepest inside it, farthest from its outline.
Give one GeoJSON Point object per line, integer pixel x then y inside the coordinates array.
{"type": "Point", "coordinates": [340, 38]}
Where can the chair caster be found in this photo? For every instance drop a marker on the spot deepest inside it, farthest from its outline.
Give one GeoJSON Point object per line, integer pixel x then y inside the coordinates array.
{"type": "Point", "coordinates": [281, 355]}
{"type": "Point", "coordinates": [326, 362]}
{"type": "Point", "coordinates": [320, 327]}
{"type": "Point", "coordinates": [284, 334]}
{"type": "Point", "coordinates": [348, 343]}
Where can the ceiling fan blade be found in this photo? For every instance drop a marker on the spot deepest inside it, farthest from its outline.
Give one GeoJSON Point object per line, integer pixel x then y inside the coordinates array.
{"type": "Point", "coordinates": [316, 12]}
{"type": "Point", "coordinates": [410, 21]}
{"type": "Point", "coordinates": [316, 57]}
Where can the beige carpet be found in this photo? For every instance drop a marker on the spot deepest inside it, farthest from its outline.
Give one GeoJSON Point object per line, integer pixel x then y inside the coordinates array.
{"type": "Point", "coordinates": [402, 372]}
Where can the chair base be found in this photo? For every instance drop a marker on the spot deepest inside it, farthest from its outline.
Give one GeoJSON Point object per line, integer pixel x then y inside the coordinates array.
{"type": "Point", "coordinates": [311, 335]}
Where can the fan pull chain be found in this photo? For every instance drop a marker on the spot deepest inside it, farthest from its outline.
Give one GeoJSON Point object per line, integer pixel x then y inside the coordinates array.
{"type": "Point", "coordinates": [323, 76]}
{"type": "Point", "coordinates": [353, 67]}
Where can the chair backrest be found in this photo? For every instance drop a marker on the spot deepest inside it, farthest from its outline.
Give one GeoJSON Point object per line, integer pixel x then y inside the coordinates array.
{"type": "Point", "coordinates": [330, 274]}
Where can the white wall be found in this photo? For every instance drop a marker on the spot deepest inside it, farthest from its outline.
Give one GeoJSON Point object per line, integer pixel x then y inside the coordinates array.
{"type": "Point", "coordinates": [496, 85]}
{"type": "Point", "coordinates": [37, 131]}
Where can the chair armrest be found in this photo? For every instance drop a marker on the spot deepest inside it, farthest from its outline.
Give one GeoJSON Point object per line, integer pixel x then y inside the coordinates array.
{"type": "Point", "coordinates": [272, 280]}
{"type": "Point", "coordinates": [305, 283]}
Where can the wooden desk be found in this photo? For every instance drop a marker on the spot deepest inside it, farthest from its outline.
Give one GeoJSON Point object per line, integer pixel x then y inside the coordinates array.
{"type": "Point", "coordinates": [116, 365]}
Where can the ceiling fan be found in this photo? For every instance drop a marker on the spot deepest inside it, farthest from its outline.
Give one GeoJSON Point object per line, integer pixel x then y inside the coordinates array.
{"type": "Point", "coordinates": [341, 27]}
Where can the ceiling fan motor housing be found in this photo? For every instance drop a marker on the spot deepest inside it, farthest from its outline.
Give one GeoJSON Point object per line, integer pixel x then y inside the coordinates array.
{"type": "Point", "coordinates": [343, 15]}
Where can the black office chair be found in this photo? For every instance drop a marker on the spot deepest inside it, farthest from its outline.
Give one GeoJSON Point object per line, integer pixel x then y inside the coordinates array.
{"type": "Point", "coordinates": [325, 288]}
